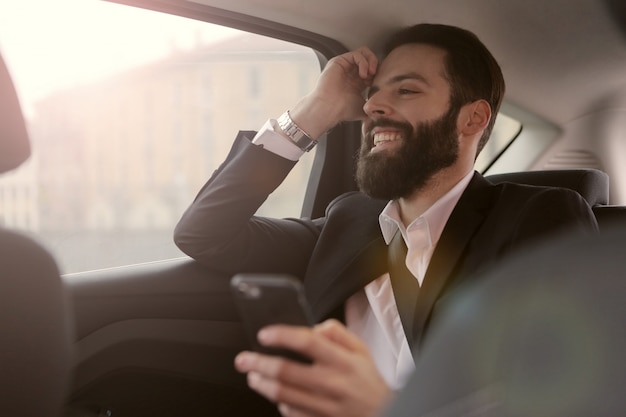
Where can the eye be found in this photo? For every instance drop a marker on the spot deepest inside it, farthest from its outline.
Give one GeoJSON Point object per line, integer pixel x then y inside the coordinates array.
{"type": "Point", "coordinates": [406, 91]}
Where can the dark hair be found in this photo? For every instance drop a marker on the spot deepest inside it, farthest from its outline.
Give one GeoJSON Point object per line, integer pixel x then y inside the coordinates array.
{"type": "Point", "coordinates": [472, 71]}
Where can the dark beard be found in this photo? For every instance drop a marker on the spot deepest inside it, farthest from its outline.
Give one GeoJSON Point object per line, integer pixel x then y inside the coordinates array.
{"type": "Point", "coordinates": [426, 150]}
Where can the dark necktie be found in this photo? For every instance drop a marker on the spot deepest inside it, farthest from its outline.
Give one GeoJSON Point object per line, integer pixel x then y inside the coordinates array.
{"type": "Point", "coordinates": [404, 284]}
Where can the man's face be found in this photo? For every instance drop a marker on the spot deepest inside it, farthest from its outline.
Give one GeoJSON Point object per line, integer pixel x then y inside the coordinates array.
{"type": "Point", "coordinates": [410, 132]}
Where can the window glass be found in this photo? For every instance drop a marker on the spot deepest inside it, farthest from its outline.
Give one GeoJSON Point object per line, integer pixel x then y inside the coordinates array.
{"type": "Point", "coordinates": [129, 112]}
{"type": "Point", "coordinates": [504, 132]}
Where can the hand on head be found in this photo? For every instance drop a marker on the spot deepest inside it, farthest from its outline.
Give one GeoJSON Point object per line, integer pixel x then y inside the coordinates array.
{"type": "Point", "coordinates": [338, 95]}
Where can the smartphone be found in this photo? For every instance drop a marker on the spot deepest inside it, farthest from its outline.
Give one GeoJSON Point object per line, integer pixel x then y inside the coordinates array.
{"type": "Point", "coordinates": [264, 299]}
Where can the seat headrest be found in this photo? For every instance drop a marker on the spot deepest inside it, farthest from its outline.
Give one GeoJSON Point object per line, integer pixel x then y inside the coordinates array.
{"type": "Point", "coordinates": [14, 144]}
{"type": "Point", "coordinates": [591, 184]}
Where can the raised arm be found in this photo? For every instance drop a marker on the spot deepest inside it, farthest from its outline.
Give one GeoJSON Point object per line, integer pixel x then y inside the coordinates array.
{"type": "Point", "coordinates": [220, 229]}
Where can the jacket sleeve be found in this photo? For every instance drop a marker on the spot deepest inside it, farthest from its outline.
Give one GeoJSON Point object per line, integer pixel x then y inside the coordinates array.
{"type": "Point", "coordinates": [219, 228]}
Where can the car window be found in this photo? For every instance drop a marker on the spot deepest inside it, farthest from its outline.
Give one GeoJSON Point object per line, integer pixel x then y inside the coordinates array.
{"type": "Point", "coordinates": [505, 131]}
{"type": "Point", "coordinates": [129, 112]}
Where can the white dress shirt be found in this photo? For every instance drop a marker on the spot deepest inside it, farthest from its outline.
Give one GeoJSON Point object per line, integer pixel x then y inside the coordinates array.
{"type": "Point", "coordinates": [372, 313]}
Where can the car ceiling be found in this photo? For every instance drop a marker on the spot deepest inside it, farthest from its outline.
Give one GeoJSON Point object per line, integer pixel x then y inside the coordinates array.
{"type": "Point", "coordinates": [562, 59]}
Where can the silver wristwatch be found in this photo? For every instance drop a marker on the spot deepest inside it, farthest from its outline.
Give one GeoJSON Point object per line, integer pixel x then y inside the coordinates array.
{"type": "Point", "coordinates": [296, 135]}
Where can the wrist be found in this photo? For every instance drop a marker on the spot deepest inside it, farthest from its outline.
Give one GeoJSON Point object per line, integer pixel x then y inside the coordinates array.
{"type": "Point", "coordinates": [314, 116]}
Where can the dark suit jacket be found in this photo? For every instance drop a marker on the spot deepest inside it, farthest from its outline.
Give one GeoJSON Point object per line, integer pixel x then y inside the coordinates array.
{"type": "Point", "coordinates": [340, 253]}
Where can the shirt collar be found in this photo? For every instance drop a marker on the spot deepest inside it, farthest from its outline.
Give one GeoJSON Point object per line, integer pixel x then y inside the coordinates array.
{"type": "Point", "coordinates": [436, 216]}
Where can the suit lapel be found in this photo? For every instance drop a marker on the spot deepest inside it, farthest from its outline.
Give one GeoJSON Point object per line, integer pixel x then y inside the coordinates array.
{"type": "Point", "coordinates": [349, 254]}
{"type": "Point", "coordinates": [463, 223]}
{"type": "Point", "coordinates": [369, 263]}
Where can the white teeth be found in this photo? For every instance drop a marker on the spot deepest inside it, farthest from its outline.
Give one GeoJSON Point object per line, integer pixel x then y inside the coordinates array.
{"type": "Point", "coordinates": [385, 137]}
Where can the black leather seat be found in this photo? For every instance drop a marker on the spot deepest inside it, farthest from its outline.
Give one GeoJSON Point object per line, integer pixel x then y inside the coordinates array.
{"type": "Point", "coordinates": [35, 327]}
{"type": "Point", "coordinates": [542, 335]}
{"type": "Point", "coordinates": [591, 184]}
{"type": "Point", "coordinates": [609, 216]}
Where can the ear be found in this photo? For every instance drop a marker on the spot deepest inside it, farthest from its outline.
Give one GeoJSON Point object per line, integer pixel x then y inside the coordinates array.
{"type": "Point", "coordinates": [474, 118]}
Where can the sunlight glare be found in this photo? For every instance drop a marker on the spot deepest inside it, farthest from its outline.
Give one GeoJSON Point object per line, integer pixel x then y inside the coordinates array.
{"type": "Point", "coordinates": [50, 45]}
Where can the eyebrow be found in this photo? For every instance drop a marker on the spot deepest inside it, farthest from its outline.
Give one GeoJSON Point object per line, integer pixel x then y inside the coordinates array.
{"type": "Point", "coordinates": [409, 76]}
{"type": "Point", "coordinates": [398, 78]}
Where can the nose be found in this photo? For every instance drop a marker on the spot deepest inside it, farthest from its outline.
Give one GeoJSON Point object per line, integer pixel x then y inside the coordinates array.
{"type": "Point", "coordinates": [377, 105]}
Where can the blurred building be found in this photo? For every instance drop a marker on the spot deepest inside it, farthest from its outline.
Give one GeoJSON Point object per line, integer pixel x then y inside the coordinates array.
{"type": "Point", "coordinates": [130, 151]}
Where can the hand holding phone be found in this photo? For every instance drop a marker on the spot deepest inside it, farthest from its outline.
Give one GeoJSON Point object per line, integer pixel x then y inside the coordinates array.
{"type": "Point", "coordinates": [263, 300]}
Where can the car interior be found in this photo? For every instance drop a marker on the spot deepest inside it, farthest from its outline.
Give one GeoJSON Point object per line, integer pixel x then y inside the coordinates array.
{"type": "Point", "coordinates": [87, 331]}
{"type": "Point", "coordinates": [35, 327]}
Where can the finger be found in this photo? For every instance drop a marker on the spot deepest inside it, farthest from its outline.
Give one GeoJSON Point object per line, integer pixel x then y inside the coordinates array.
{"type": "Point", "coordinates": [372, 59]}
{"type": "Point", "coordinates": [338, 333]}
{"type": "Point", "coordinates": [328, 380]}
{"type": "Point", "coordinates": [306, 341]}
{"type": "Point", "coordinates": [287, 410]}
{"type": "Point", "coordinates": [275, 367]}
{"type": "Point", "coordinates": [295, 401]}
{"type": "Point", "coordinates": [366, 61]}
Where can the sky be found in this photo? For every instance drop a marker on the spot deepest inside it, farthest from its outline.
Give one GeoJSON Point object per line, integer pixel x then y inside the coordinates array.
{"type": "Point", "coordinates": [53, 44]}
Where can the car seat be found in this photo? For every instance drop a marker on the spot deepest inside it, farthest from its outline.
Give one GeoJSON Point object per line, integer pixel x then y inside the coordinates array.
{"type": "Point", "coordinates": [35, 332]}
{"type": "Point", "coordinates": [591, 184]}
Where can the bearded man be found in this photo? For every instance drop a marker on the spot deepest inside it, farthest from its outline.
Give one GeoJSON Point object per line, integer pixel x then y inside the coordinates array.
{"type": "Point", "coordinates": [427, 109]}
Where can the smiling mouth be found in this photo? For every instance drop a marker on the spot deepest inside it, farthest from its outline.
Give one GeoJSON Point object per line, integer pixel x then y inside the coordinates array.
{"type": "Point", "coordinates": [386, 137]}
